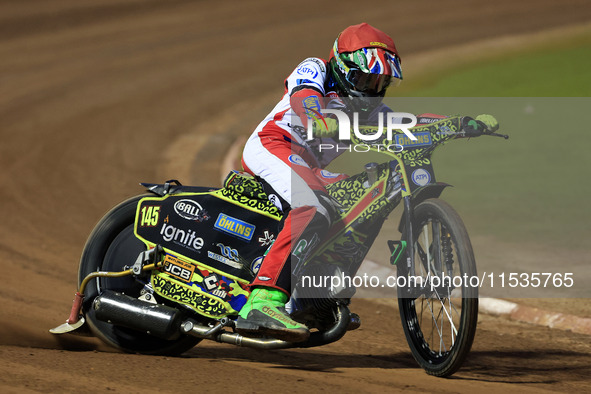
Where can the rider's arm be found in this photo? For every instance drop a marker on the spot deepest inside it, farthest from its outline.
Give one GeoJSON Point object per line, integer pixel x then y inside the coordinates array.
{"type": "Point", "coordinates": [305, 86]}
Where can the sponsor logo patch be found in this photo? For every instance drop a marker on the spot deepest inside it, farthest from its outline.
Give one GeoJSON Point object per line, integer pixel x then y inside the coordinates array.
{"type": "Point", "coordinates": [178, 268]}
{"type": "Point", "coordinates": [187, 238]}
{"type": "Point", "coordinates": [276, 201]}
{"type": "Point", "coordinates": [306, 69]}
{"type": "Point", "coordinates": [267, 239]}
{"type": "Point", "coordinates": [328, 174]}
{"type": "Point", "coordinates": [378, 44]}
{"type": "Point", "coordinates": [235, 227]}
{"type": "Point", "coordinates": [190, 210]}
{"type": "Point", "coordinates": [423, 139]}
{"type": "Point", "coordinates": [421, 177]}
{"type": "Point", "coordinates": [255, 266]}
{"type": "Point", "coordinates": [295, 159]}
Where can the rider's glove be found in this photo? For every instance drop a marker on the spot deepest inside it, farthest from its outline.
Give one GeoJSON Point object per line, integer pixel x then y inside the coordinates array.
{"type": "Point", "coordinates": [325, 127]}
{"type": "Point", "coordinates": [491, 123]}
{"type": "Point", "coordinates": [483, 124]}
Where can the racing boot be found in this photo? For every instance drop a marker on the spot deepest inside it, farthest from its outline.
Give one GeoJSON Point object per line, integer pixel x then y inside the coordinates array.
{"type": "Point", "coordinates": [265, 314]}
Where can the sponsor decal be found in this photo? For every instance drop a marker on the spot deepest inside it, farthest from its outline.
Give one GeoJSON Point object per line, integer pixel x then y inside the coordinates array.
{"type": "Point", "coordinates": [235, 227]}
{"type": "Point", "coordinates": [445, 130]}
{"type": "Point", "coordinates": [255, 266]}
{"type": "Point", "coordinates": [211, 282]}
{"type": "Point", "coordinates": [306, 69]}
{"type": "Point", "coordinates": [179, 269]}
{"type": "Point", "coordinates": [229, 256]}
{"type": "Point", "coordinates": [379, 44]}
{"type": "Point", "coordinates": [422, 139]}
{"type": "Point", "coordinates": [311, 106]}
{"type": "Point", "coordinates": [375, 192]}
{"type": "Point", "coordinates": [228, 252]}
{"type": "Point", "coordinates": [190, 210]}
{"type": "Point", "coordinates": [279, 316]}
{"type": "Point", "coordinates": [421, 177]}
{"type": "Point", "coordinates": [318, 62]}
{"type": "Point", "coordinates": [187, 238]}
{"type": "Point", "coordinates": [328, 174]}
{"type": "Point", "coordinates": [149, 215]}
{"type": "Point", "coordinates": [296, 159]}
{"type": "Point", "coordinates": [223, 259]}
{"type": "Point", "coordinates": [427, 120]}
{"type": "Point", "coordinates": [276, 201]}
{"type": "Point", "coordinates": [267, 239]}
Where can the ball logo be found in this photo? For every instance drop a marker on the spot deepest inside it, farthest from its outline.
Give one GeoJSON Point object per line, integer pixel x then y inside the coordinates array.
{"type": "Point", "coordinates": [187, 209]}
{"type": "Point", "coordinates": [421, 177]}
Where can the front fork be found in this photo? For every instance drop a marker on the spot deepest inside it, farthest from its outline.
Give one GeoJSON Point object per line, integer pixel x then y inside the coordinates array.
{"type": "Point", "coordinates": [408, 218]}
{"type": "Point", "coordinates": [405, 248]}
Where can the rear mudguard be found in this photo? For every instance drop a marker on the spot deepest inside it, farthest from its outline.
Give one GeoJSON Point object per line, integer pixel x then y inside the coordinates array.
{"type": "Point", "coordinates": [172, 187]}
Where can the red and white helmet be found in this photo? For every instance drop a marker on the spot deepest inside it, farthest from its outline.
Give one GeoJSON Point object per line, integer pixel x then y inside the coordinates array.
{"type": "Point", "coordinates": [364, 62]}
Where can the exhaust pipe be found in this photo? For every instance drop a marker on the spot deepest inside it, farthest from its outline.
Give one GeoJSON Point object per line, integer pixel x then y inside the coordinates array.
{"type": "Point", "coordinates": [168, 323]}
{"type": "Point", "coordinates": [217, 333]}
{"type": "Point", "coordinates": [119, 309]}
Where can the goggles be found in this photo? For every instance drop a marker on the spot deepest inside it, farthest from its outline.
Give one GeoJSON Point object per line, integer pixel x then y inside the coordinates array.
{"type": "Point", "coordinates": [370, 82]}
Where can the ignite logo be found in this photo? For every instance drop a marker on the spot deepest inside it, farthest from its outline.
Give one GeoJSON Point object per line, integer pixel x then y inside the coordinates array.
{"type": "Point", "coordinates": [187, 238]}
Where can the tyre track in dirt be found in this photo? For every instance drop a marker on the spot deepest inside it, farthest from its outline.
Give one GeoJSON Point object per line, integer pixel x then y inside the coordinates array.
{"type": "Point", "coordinates": [94, 92]}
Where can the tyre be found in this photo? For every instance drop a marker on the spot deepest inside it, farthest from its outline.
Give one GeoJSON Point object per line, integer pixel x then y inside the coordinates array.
{"type": "Point", "coordinates": [440, 321]}
{"type": "Point", "coordinates": [112, 246]}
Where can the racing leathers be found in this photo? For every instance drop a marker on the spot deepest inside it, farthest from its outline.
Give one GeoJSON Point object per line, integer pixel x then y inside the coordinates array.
{"type": "Point", "coordinates": [279, 154]}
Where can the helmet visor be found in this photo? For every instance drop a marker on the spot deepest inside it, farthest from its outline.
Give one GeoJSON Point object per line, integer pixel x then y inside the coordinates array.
{"type": "Point", "coordinates": [369, 83]}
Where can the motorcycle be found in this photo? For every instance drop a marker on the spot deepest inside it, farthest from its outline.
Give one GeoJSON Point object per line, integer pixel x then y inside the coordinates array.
{"type": "Point", "coordinates": [163, 271]}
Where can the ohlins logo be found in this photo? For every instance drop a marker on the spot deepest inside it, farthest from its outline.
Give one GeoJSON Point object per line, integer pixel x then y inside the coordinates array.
{"type": "Point", "coordinates": [422, 139]}
{"type": "Point", "coordinates": [187, 238]}
{"type": "Point", "coordinates": [235, 227]}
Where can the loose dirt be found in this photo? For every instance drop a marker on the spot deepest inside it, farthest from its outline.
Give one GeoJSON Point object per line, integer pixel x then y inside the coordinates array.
{"type": "Point", "coordinates": [100, 95]}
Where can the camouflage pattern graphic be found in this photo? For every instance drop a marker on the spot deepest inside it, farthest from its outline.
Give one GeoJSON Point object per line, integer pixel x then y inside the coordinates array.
{"type": "Point", "coordinates": [244, 189]}
{"type": "Point", "coordinates": [416, 153]}
{"type": "Point", "coordinates": [209, 293]}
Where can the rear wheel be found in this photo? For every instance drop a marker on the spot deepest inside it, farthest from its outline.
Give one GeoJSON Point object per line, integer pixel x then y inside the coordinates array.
{"type": "Point", "coordinates": [440, 322]}
{"type": "Point", "coordinates": [112, 246]}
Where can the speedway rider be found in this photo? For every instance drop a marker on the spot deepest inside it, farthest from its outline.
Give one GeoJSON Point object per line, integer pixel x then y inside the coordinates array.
{"type": "Point", "coordinates": [362, 64]}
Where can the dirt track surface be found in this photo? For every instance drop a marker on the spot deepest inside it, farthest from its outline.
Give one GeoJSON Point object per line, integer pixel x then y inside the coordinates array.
{"type": "Point", "coordinates": [97, 96]}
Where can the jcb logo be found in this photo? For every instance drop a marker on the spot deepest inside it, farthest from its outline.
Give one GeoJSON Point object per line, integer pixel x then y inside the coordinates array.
{"type": "Point", "coordinates": [179, 269]}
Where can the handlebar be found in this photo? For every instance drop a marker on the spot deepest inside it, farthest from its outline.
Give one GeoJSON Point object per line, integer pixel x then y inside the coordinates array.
{"type": "Point", "coordinates": [505, 136]}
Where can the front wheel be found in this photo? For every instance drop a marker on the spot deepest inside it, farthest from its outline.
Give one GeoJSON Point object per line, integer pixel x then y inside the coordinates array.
{"type": "Point", "coordinates": [440, 322]}
{"type": "Point", "coordinates": [112, 246]}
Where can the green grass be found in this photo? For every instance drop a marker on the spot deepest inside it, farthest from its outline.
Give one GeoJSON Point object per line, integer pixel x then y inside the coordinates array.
{"type": "Point", "coordinates": [536, 186]}
{"type": "Point", "coordinates": [533, 187]}
{"type": "Point", "coordinates": [558, 72]}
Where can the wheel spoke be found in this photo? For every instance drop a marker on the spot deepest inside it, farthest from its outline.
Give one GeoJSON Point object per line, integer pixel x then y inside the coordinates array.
{"type": "Point", "coordinates": [440, 339]}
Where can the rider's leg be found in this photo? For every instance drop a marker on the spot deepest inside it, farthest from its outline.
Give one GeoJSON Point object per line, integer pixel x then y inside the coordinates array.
{"type": "Point", "coordinates": [272, 158]}
{"type": "Point", "coordinates": [264, 312]}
